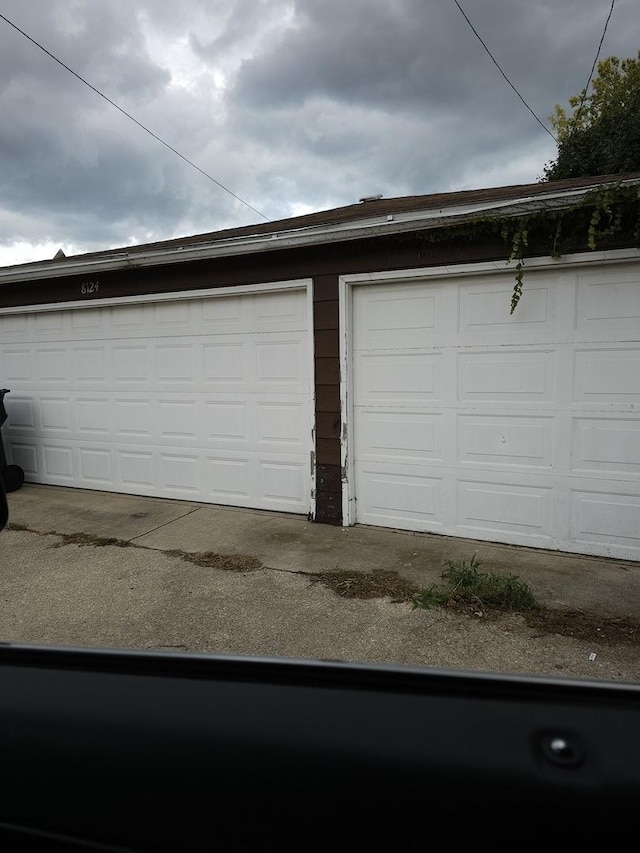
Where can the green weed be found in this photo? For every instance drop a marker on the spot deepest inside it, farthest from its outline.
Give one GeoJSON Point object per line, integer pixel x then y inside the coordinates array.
{"type": "Point", "coordinates": [467, 587]}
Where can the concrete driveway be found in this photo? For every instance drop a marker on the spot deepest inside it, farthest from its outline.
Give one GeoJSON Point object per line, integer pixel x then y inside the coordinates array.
{"type": "Point", "coordinates": [77, 590]}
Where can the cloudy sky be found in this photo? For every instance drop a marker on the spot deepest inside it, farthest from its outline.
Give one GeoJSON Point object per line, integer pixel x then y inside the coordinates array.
{"type": "Point", "coordinates": [294, 105]}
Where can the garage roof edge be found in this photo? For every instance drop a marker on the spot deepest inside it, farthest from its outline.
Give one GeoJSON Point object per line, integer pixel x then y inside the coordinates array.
{"type": "Point", "coordinates": [307, 235]}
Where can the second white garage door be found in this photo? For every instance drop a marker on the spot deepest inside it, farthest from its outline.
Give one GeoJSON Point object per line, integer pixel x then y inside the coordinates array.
{"type": "Point", "coordinates": [205, 399]}
{"type": "Point", "coordinates": [521, 429]}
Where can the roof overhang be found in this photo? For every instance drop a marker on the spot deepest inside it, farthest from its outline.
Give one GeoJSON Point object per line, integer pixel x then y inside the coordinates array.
{"type": "Point", "coordinates": [358, 229]}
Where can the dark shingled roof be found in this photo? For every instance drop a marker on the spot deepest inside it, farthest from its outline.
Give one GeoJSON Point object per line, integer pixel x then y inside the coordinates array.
{"type": "Point", "coordinates": [375, 209]}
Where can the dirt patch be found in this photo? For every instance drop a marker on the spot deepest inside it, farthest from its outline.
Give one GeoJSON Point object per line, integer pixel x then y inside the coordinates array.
{"type": "Point", "coordinates": [222, 562]}
{"type": "Point", "coordinates": [577, 624]}
{"type": "Point", "coordinates": [84, 539]}
{"type": "Point", "coordinates": [377, 584]}
{"type": "Point", "coordinates": [582, 625]}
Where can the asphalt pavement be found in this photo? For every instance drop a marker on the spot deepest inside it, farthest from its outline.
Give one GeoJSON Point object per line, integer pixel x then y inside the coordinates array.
{"type": "Point", "coordinates": [60, 588]}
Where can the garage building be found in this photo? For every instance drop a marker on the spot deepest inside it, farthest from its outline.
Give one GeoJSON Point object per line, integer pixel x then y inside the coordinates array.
{"type": "Point", "coordinates": [357, 365]}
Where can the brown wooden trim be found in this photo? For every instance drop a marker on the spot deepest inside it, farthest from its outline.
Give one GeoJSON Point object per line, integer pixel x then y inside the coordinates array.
{"type": "Point", "coordinates": [325, 287]}
{"type": "Point", "coordinates": [329, 508]}
{"type": "Point", "coordinates": [328, 478]}
{"type": "Point", "coordinates": [326, 343]}
{"type": "Point", "coordinates": [327, 451]}
{"type": "Point", "coordinates": [327, 371]}
{"type": "Point", "coordinates": [326, 314]}
{"type": "Point", "coordinates": [328, 398]}
{"type": "Point", "coordinates": [328, 425]}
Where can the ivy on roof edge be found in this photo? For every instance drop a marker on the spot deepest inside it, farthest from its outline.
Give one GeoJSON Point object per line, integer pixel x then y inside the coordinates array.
{"type": "Point", "coordinates": [603, 216]}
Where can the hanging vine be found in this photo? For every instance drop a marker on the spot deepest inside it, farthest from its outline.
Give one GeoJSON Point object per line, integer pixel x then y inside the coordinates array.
{"type": "Point", "coordinates": [519, 242]}
{"type": "Point", "coordinates": [607, 216]}
{"type": "Point", "coordinates": [613, 212]}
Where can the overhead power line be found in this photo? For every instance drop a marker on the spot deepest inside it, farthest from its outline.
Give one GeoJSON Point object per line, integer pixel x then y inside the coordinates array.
{"type": "Point", "coordinates": [134, 120]}
{"type": "Point", "coordinates": [495, 62]}
{"type": "Point", "coordinates": [593, 67]}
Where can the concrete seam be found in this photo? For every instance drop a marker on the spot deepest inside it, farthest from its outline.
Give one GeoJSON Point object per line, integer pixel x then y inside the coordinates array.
{"type": "Point", "coordinates": [160, 526]}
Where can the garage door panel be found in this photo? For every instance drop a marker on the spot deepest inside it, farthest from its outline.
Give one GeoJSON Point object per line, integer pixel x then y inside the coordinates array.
{"type": "Point", "coordinates": [506, 508]}
{"type": "Point", "coordinates": [26, 455]}
{"type": "Point", "coordinates": [607, 376]}
{"type": "Point", "coordinates": [224, 362]}
{"type": "Point", "coordinates": [14, 327]}
{"type": "Point", "coordinates": [50, 322]}
{"type": "Point", "coordinates": [177, 419]}
{"type": "Point", "coordinates": [21, 414]}
{"type": "Point", "coordinates": [397, 378]}
{"type": "Point", "coordinates": [133, 398]}
{"type": "Point", "coordinates": [506, 441]}
{"type": "Point", "coordinates": [94, 416]}
{"type": "Point", "coordinates": [55, 413]}
{"type": "Point", "coordinates": [134, 417]}
{"type": "Point", "coordinates": [89, 365]}
{"type": "Point", "coordinates": [281, 424]}
{"type": "Point", "coordinates": [131, 365]}
{"type": "Point", "coordinates": [178, 472]}
{"type": "Point", "coordinates": [277, 311]}
{"type": "Point", "coordinates": [409, 437]}
{"type": "Point", "coordinates": [221, 315]}
{"type": "Point", "coordinates": [404, 498]}
{"type": "Point", "coordinates": [228, 480]}
{"type": "Point", "coordinates": [91, 320]}
{"type": "Point", "coordinates": [175, 363]}
{"type": "Point", "coordinates": [52, 365]}
{"type": "Point", "coordinates": [607, 517]}
{"type": "Point", "coordinates": [136, 469]}
{"type": "Point", "coordinates": [128, 318]}
{"type": "Point", "coordinates": [58, 461]}
{"type": "Point", "coordinates": [175, 317]}
{"type": "Point", "coordinates": [606, 445]}
{"type": "Point", "coordinates": [97, 466]}
{"type": "Point", "coordinates": [282, 484]}
{"type": "Point", "coordinates": [608, 304]}
{"type": "Point", "coordinates": [507, 375]}
{"type": "Point", "coordinates": [399, 316]}
{"type": "Point", "coordinates": [18, 366]}
{"type": "Point", "coordinates": [281, 362]}
{"type": "Point", "coordinates": [226, 422]}
{"type": "Point", "coordinates": [485, 305]}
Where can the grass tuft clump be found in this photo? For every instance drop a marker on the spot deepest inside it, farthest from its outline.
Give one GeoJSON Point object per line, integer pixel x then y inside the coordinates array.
{"type": "Point", "coordinates": [466, 587]}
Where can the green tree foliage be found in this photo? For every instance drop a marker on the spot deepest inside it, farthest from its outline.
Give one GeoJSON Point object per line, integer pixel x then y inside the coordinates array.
{"type": "Point", "coordinates": [601, 133]}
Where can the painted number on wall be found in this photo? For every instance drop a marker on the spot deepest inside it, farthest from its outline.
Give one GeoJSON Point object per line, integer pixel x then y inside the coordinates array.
{"type": "Point", "coordinates": [88, 287]}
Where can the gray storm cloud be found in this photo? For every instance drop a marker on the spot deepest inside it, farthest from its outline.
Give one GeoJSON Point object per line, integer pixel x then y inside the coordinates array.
{"type": "Point", "coordinates": [292, 105]}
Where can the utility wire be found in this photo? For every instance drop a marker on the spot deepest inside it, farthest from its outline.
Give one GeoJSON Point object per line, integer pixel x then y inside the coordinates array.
{"type": "Point", "coordinates": [134, 120]}
{"type": "Point", "coordinates": [593, 67]}
{"type": "Point", "coordinates": [495, 62]}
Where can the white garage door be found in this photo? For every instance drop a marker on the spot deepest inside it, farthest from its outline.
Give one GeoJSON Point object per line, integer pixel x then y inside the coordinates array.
{"type": "Point", "coordinates": [204, 399]}
{"type": "Point", "coordinates": [522, 429]}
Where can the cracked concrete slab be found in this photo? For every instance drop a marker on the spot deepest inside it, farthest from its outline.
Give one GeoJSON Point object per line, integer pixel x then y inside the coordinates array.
{"type": "Point", "coordinates": [293, 544]}
{"type": "Point", "coordinates": [140, 598]}
{"type": "Point", "coordinates": [45, 508]}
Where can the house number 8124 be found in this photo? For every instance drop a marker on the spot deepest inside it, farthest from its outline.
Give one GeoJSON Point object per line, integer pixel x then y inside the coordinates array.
{"type": "Point", "coordinates": [89, 287]}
